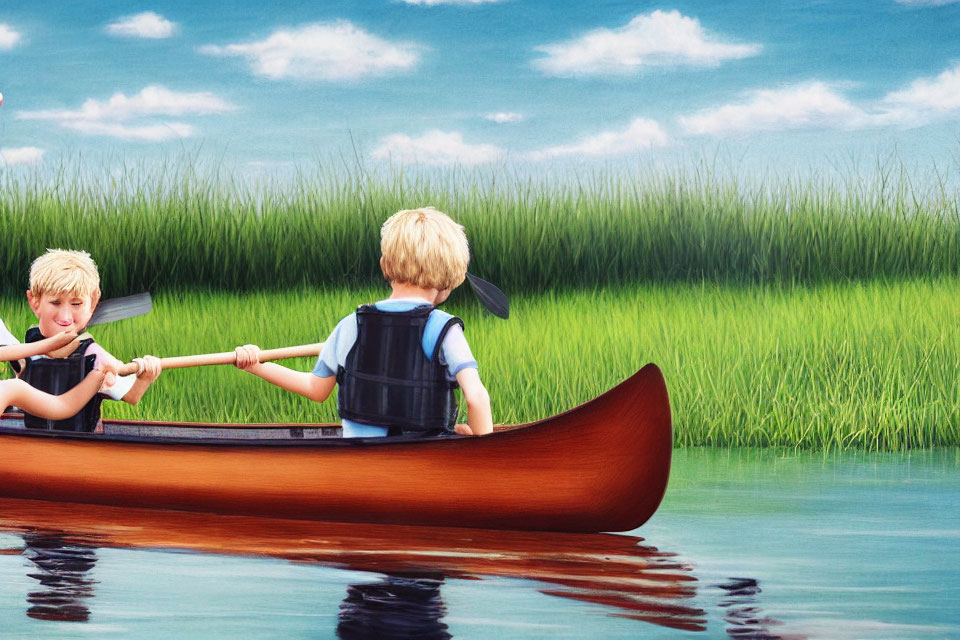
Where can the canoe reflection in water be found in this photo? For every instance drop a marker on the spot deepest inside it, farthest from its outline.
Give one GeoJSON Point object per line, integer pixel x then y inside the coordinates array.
{"type": "Point", "coordinates": [632, 579]}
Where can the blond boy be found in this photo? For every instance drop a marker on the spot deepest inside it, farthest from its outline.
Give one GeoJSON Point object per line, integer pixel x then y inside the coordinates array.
{"type": "Point", "coordinates": [63, 294]}
{"type": "Point", "coordinates": [399, 360]}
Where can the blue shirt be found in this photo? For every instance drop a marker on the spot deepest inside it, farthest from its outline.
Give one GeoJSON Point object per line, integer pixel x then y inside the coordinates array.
{"type": "Point", "coordinates": [455, 354]}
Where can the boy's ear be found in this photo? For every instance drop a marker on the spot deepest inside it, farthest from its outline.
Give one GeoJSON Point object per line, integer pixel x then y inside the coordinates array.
{"type": "Point", "coordinates": [33, 301]}
{"type": "Point", "coordinates": [94, 299]}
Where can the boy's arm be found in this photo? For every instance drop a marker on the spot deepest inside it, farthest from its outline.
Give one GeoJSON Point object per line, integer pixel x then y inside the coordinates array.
{"type": "Point", "coordinates": [146, 374]}
{"type": "Point", "coordinates": [20, 351]}
{"type": "Point", "coordinates": [479, 416]}
{"type": "Point", "coordinates": [44, 405]}
{"type": "Point", "coordinates": [303, 383]}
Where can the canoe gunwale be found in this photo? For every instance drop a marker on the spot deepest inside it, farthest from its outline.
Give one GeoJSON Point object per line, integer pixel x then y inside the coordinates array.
{"type": "Point", "coordinates": [225, 442]}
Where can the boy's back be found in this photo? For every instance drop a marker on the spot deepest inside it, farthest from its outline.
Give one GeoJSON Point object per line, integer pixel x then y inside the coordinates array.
{"type": "Point", "coordinates": [398, 362]}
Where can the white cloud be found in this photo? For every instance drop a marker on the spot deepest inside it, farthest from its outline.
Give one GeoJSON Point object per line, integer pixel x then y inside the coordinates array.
{"type": "Point", "coordinates": [154, 100]}
{"type": "Point", "coordinates": [436, 148]}
{"type": "Point", "coordinates": [923, 101]}
{"type": "Point", "coordinates": [322, 51]}
{"type": "Point", "coordinates": [938, 94]}
{"type": "Point", "coordinates": [642, 134]}
{"type": "Point", "coordinates": [817, 105]}
{"type": "Point", "coordinates": [431, 3]}
{"type": "Point", "coordinates": [21, 155]}
{"type": "Point", "coordinates": [803, 106]}
{"type": "Point", "coordinates": [504, 117]}
{"type": "Point", "coordinates": [111, 118]}
{"type": "Point", "coordinates": [142, 133]}
{"type": "Point", "coordinates": [143, 25]}
{"type": "Point", "coordinates": [660, 38]}
{"type": "Point", "coordinates": [9, 37]}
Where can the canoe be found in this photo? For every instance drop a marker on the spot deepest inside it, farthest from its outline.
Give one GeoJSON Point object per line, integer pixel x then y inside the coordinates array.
{"type": "Point", "coordinates": [601, 466]}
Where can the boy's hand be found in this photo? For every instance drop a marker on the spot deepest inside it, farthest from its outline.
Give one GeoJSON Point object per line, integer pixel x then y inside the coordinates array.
{"type": "Point", "coordinates": [59, 341]}
{"type": "Point", "coordinates": [148, 368]}
{"type": "Point", "coordinates": [100, 373]}
{"type": "Point", "coordinates": [109, 371]}
{"type": "Point", "coordinates": [247, 356]}
{"type": "Point", "coordinates": [462, 429]}
{"type": "Point", "coordinates": [62, 338]}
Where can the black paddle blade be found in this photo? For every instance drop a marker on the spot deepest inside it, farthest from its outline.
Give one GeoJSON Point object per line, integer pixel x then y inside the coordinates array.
{"type": "Point", "coordinates": [490, 296]}
{"type": "Point", "coordinates": [121, 308]}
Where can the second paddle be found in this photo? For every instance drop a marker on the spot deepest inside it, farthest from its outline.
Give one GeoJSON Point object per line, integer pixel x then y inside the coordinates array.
{"type": "Point", "coordinates": [228, 357]}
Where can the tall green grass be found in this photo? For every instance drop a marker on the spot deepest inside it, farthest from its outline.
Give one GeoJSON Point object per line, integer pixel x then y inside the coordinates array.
{"type": "Point", "coordinates": [836, 366]}
{"type": "Point", "coordinates": [182, 228]}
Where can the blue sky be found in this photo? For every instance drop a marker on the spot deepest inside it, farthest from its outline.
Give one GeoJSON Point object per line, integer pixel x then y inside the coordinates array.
{"type": "Point", "coordinates": [474, 83]}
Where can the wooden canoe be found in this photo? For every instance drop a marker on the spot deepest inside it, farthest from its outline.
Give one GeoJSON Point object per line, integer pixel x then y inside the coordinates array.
{"type": "Point", "coordinates": [602, 466]}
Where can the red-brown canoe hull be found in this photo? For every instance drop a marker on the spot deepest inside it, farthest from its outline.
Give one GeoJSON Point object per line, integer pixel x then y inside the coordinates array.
{"type": "Point", "coordinates": [602, 466]}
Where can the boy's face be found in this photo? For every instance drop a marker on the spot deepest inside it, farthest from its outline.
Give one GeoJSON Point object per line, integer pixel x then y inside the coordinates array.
{"type": "Point", "coordinates": [58, 312]}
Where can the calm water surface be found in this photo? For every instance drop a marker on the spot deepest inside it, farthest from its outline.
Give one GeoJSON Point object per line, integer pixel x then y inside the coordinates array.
{"type": "Point", "coordinates": [747, 544]}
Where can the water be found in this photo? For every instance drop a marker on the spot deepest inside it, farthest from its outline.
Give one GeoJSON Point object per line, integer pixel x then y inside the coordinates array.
{"type": "Point", "coordinates": [746, 545]}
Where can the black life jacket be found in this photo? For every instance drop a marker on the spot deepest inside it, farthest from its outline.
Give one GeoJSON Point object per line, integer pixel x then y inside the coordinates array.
{"type": "Point", "coordinates": [389, 381]}
{"type": "Point", "coordinates": [57, 375]}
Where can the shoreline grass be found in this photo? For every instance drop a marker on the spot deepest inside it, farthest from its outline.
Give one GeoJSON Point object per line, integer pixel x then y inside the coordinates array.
{"type": "Point", "coordinates": [870, 366]}
{"type": "Point", "coordinates": [179, 228]}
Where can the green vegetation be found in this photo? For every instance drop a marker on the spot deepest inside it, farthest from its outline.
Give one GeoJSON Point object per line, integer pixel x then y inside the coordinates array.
{"type": "Point", "coordinates": [868, 365]}
{"type": "Point", "coordinates": [180, 229]}
{"type": "Point", "coordinates": [808, 314]}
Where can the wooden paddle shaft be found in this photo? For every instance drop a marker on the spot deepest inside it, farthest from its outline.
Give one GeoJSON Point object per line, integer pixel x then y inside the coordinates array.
{"type": "Point", "coordinates": [229, 357]}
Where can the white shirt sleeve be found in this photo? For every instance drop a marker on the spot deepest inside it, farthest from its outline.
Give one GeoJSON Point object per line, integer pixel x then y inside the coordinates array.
{"type": "Point", "coordinates": [123, 383]}
{"type": "Point", "coordinates": [455, 352]}
{"type": "Point", "coordinates": [335, 349]}
{"type": "Point", "coordinates": [6, 338]}
{"type": "Point", "coordinates": [121, 387]}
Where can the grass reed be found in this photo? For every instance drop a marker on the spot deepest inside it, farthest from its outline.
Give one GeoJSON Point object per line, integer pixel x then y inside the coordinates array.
{"type": "Point", "coordinates": [179, 227]}
{"type": "Point", "coordinates": [869, 366]}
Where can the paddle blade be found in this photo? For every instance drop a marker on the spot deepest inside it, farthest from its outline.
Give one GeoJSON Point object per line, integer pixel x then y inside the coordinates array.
{"type": "Point", "coordinates": [490, 296]}
{"type": "Point", "coordinates": [121, 308]}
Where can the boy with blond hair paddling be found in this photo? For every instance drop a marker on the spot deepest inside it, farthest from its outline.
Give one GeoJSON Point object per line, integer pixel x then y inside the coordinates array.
{"type": "Point", "coordinates": [63, 294]}
{"type": "Point", "coordinates": [398, 361]}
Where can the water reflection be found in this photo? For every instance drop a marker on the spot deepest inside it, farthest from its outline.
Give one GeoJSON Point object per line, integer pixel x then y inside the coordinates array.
{"type": "Point", "coordinates": [632, 579]}
{"type": "Point", "coordinates": [743, 614]}
{"type": "Point", "coordinates": [62, 570]}
{"type": "Point", "coordinates": [394, 608]}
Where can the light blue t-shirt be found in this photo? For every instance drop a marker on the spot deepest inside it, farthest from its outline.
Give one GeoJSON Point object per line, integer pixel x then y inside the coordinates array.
{"type": "Point", "coordinates": [455, 354]}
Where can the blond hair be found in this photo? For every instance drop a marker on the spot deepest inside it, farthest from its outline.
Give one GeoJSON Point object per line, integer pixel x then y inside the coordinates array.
{"type": "Point", "coordinates": [63, 272]}
{"type": "Point", "coordinates": [425, 248]}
